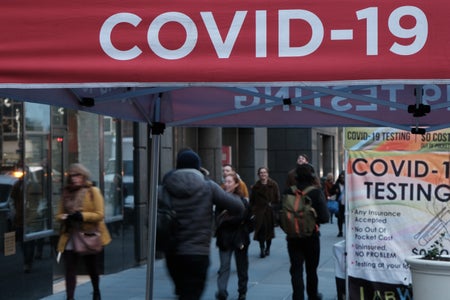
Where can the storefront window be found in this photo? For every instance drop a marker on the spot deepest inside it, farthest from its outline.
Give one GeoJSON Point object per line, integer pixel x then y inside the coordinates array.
{"type": "Point", "coordinates": [11, 177]}
{"type": "Point", "coordinates": [119, 174]}
{"type": "Point", "coordinates": [59, 159]}
{"type": "Point", "coordinates": [36, 153]}
{"type": "Point", "coordinates": [113, 169]}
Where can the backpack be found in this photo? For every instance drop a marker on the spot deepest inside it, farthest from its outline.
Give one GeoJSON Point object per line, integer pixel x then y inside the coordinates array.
{"type": "Point", "coordinates": [297, 216]}
{"type": "Point", "coordinates": [167, 223]}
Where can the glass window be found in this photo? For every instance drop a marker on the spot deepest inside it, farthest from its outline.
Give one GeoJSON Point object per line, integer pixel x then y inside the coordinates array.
{"type": "Point", "coordinates": [37, 212]}
{"type": "Point", "coordinates": [113, 171]}
{"type": "Point", "coordinates": [85, 146]}
{"type": "Point", "coordinates": [128, 174]}
{"type": "Point", "coordinates": [59, 159]}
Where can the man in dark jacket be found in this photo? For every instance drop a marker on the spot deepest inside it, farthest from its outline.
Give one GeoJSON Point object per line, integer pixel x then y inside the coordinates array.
{"type": "Point", "coordinates": [306, 250]}
{"type": "Point", "coordinates": [193, 197]}
{"type": "Point", "coordinates": [301, 159]}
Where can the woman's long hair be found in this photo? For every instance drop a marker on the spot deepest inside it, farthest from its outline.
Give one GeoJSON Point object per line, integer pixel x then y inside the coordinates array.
{"type": "Point", "coordinates": [237, 181]}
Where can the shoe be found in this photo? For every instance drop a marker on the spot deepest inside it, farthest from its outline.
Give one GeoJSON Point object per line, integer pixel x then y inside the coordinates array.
{"type": "Point", "coordinates": [223, 295]}
{"type": "Point", "coordinates": [96, 296]}
{"type": "Point", "coordinates": [262, 254]}
{"type": "Point", "coordinates": [317, 297]}
{"type": "Point", "coordinates": [241, 297]}
{"type": "Point", "coordinates": [267, 252]}
{"type": "Point", "coordinates": [27, 268]}
{"type": "Point", "coordinates": [340, 234]}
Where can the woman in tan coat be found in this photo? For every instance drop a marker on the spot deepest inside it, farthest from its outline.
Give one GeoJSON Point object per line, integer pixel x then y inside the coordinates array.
{"type": "Point", "coordinates": [264, 198]}
{"type": "Point", "coordinates": [82, 206]}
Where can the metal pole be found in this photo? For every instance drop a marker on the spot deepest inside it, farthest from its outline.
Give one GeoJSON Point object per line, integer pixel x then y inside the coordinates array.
{"type": "Point", "coordinates": [155, 136]}
{"type": "Point", "coordinates": [153, 206]}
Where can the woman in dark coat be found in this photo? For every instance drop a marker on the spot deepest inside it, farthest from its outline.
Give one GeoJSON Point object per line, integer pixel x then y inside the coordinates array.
{"type": "Point", "coordinates": [265, 196]}
{"type": "Point", "coordinates": [339, 191]}
{"type": "Point", "coordinates": [233, 236]}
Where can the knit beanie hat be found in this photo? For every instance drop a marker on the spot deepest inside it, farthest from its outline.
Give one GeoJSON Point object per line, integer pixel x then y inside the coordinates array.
{"type": "Point", "coordinates": [188, 160]}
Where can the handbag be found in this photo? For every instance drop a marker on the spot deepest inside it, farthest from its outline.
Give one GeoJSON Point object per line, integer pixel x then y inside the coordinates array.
{"type": "Point", "coordinates": [86, 243]}
{"type": "Point", "coordinates": [333, 206]}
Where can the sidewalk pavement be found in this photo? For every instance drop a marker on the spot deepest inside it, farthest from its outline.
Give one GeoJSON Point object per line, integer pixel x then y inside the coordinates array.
{"type": "Point", "coordinates": [269, 277]}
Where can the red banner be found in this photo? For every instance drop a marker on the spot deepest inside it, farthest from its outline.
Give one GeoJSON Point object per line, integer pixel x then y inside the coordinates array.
{"type": "Point", "coordinates": [154, 42]}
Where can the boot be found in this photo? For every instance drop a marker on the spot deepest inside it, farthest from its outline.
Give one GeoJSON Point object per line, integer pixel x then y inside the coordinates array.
{"type": "Point", "coordinates": [96, 296]}
{"type": "Point", "coordinates": [268, 244]}
{"type": "Point", "coordinates": [222, 295]}
{"type": "Point", "coordinates": [263, 253]}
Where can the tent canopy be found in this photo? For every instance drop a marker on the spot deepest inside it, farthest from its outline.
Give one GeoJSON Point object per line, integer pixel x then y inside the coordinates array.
{"type": "Point", "coordinates": [233, 63]}
{"type": "Point", "coordinates": [380, 105]}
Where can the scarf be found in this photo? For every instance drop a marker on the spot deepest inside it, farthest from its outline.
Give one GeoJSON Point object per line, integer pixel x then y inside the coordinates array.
{"type": "Point", "coordinates": [73, 198]}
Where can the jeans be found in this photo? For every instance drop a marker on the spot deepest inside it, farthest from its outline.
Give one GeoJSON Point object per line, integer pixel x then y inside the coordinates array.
{"type": "Point", "coordinates": [304, 251]}
{"type": "Point", "coordinates": [241, 257]}
{"type": "Point", "coordinates": [188, 273]}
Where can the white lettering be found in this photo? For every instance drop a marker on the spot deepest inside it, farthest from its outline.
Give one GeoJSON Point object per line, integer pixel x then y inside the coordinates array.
{"type": "Point", "coordinates": [336, 104]}
{"type": "Point", "coordinates": [261, 33]}
{"type": "Point", "coordinates": [223, 49]}
{"type": "Point", "coordinates": [159, 22]}
{"type": "Point", "coordinates": [392, 91]}
{"type": "Point", "coordinates": [372, 92]}
{"type": "Point", "coordinates": [105, 36]}
{"type": "Point", "coordinates": [284, 35]}
{"type": "Point", "coordinates": [241, 101]}
{"type": "Point", "coordinates": [431, 93]}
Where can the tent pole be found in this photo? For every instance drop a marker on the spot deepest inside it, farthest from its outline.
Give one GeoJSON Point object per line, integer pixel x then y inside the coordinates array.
{"type": "Point", "coordinates": [156, 129]}
{"type": "Point", "coordinates": [153, 206]}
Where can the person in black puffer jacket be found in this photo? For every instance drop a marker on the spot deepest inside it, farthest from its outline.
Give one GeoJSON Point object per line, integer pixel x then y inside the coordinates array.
{"type": "Point", "coordinates": [193, 197]}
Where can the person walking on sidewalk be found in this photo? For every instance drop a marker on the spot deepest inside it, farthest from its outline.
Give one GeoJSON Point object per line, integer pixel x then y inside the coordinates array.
{"type": "Point", "coordinates": [82, 206]}
{"type": "Point", "coordinates": [228, 169]}
{"type": "Point", "coordinates": [232, 236]}
{"type": "Point", "coordinates": [192, 197]}
{"type": "Point", "coordinates": [264, 199]}
{"type": "Point", "coordinates": [301, 159]}
{"type": "Point", "coordinates": [339, 191]}
{"type": "Point", "coordinates": [306, 250]}
{"type": "Point", "coordinates": [328, 190]}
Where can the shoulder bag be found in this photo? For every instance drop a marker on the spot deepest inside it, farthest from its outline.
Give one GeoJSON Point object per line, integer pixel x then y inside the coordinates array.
{"type": "Point", "coordinates": [87, 242]}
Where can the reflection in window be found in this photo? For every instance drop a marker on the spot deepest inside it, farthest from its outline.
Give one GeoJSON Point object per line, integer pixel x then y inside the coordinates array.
{"type": "Point", "coordinates": [37, 135]}
{"type": "Point", "coordinates": [113, 171]}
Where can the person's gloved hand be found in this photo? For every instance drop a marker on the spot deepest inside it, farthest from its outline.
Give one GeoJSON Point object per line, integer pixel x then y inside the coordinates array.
{"type": "Point", "coordinates": [76, 217]}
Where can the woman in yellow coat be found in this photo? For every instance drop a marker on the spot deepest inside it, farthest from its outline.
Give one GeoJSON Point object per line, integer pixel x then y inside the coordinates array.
{"type": "Point", "coordinates": [81, 206]}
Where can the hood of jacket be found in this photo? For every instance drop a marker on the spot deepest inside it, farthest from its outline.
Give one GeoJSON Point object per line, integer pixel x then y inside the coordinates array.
{"type": "Point", "coordinates": [184, 183]}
